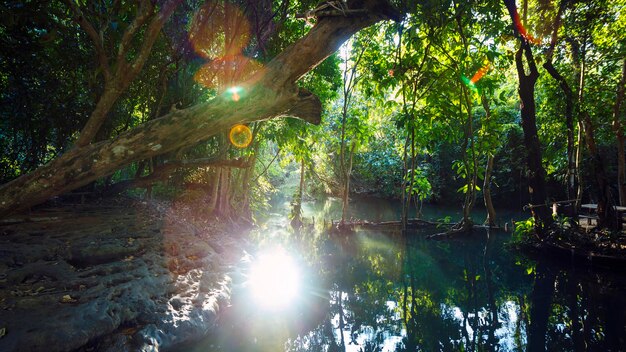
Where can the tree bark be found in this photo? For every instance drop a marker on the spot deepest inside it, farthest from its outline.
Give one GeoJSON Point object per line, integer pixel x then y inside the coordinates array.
{"type": "Point", "coordinates": [349, 81]}
{"type": "Point", "coordinates": [223, 208]}
{"type": "Point", "coordinates": [607, 216]}
{"type": "Point", "coordinates": [536, 172]}
{"type": "Point", "coordinates": [346, 187]}
{"type": "Point", "coordinates": [470, 161]}
{"type": "Point", "coordinates": [269, 94]}
{"type": "Point", "coordinates": [491, 211]}
{"type": "Point", "coordinates": [619, 135]}
{"type": "Point", "coordinates": [215, 183]}
{"type": "Point", "coordinates": [296, 221]}
{"type": "Point", "coordinates": [569, 102]}
{"type": "Point", "coordinates": [569, 123]}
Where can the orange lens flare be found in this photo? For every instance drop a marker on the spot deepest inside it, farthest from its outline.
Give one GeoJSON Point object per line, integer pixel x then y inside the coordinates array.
{"type": "Point", "coordinates": [478, 75]}
{"type": "Point", "coordinates": [226, 72]}
{"type": "Point", "coordinates": [522, 30]}
{"type": "Point", "coordinates": [471, 82]}
{"type": "Point", "coordinates": [240, 136]}
{"type": "Point", "coordinates": [219, 33]}
{"type": "Point", "coordinates": [218, 30]}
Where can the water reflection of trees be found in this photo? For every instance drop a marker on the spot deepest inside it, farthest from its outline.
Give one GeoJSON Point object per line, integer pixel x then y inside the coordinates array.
{"type": "Point", "coordinates": [409, 294]}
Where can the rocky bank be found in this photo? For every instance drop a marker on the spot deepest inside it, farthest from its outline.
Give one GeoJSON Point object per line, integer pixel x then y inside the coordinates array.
{"type": "Point", "coordinates": [118, 276]}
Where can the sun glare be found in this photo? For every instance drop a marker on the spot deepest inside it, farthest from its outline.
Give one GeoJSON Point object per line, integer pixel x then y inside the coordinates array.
{"type": "Point", "coordinates": [274, 279]}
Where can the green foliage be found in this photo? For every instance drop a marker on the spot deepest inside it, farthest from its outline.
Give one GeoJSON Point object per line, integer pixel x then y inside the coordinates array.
{"type": "Point", "coordinates": [420, 187]}
{"type": "Point", "coordinates": [523, 231]}
{"type": "Point", "coordinates": [412, 83]}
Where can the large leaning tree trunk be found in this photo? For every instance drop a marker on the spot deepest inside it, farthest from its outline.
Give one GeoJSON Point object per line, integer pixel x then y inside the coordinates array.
{"type": "Point", "coordinates": [526, 90]}
{"type": "Point", "coordinates": [271, 93]}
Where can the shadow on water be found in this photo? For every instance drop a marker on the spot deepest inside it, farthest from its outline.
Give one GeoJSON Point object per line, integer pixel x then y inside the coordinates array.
{"type": "Point", "coordinates": [370, 291]}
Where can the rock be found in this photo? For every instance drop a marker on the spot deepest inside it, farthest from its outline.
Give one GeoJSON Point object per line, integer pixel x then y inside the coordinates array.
{"type": "Point", "coordinates": [118, 277]}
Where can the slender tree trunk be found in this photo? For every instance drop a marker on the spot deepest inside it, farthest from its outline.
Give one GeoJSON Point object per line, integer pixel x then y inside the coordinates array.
{"type": "Point", "coordinates": [569, 101]}
{"type": "Point", "coordinates": [405, 203]}
{"type": "Point", "coordinates": [580, 76]}
{"type": "Point", "coordinates": [607, 216]}
{"type": "Point", "coordinates": [579, 159]}
{"type": "Point", "coordinates": [569, 123]}
{"type": "Point", "coordinates": [302, 179]}
{"type": "Point", "coordinates": [342, 163]}
{"type": "Point", "coordinates": [471, 164]}
{"type": "Point", "coordinates": [346, 189]}
{"type": "Point", "coordinates": [349, 81]}
{"type": "Point", "coordinates": [214, 191]}
{"type": "Point", "coordinates": [619, 135]}
{"type": "Point", "coordinates": [296, 221]}
{"type": "Point", "coordinates": [271, 93]}
{"type": "Point", "coordinates": [409, 170]}
{"type": "Point", "coordinates": [536, 172]}
{"type": "Point", "coordinates": [491, 211]}
{"type": "Point", "coordinates": [245, 188]}
{"type": "Point", "coordinates": [223, 204]}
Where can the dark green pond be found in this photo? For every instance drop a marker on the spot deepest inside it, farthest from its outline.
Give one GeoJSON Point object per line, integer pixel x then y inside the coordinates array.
{"type": "Point", "coordinates": [380, 291]}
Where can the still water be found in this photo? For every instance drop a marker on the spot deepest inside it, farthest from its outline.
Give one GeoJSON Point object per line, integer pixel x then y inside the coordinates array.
{"type": "Point", "coordinates": [380, 291]}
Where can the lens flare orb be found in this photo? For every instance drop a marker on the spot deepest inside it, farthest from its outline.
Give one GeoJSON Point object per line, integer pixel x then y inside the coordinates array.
{"type": "Point", "coordinates": [240, 136]}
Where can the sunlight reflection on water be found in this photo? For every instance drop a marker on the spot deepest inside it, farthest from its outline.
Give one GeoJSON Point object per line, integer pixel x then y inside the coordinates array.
{"type": "Point", "coordinates": [274, 280]}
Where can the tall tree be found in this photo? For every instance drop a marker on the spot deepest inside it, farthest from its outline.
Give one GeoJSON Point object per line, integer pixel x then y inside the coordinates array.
{"type": "Point", "coordinates": [526, 90]}
{"type": "Point", "coordinates": [581, 46]}
{"type": "Point", "coordinates": [619, 135]}
{"type": "Point", "coordinates": [569, 101]}
{"type": "Point", "coordinates": [491, 211]}
{"type": "Point", "coordinates": [270, 93]}
{"type": "Point", "coordinates": [346, 152]}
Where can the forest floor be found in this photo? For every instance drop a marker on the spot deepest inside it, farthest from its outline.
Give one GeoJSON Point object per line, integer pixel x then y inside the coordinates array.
{"type": "Point", "coordinates": [120, 275]}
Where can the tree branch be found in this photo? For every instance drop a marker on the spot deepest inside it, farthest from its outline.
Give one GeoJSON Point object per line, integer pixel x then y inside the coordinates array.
{"type": "Point", "coordinates": [103, 60]}
{"type": "Point", "coordinates": [143, 13]}
{"type": "Point", "coordinates": [154, 28]}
